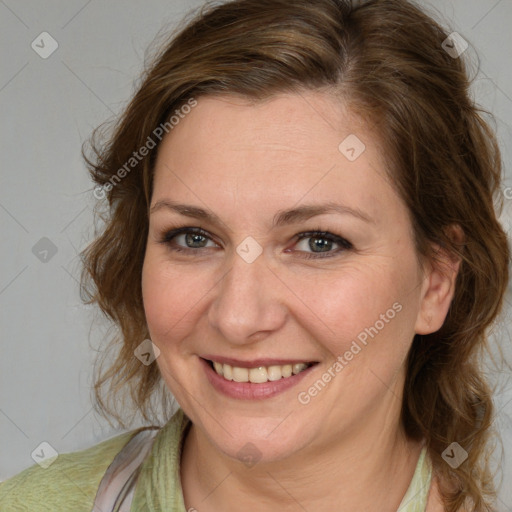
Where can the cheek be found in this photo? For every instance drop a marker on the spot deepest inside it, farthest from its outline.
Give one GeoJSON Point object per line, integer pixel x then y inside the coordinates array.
{"type": "Point", "coordinates": [159, 291]}
{"type": "Point", "coordinates": [373, 304]}
{"type": "Point", "coordinates": [371, 301]}
{"type": "Point", "coordinates": [172, 296]}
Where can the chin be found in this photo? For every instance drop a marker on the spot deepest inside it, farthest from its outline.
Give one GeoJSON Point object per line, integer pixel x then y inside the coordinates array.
{"type": "Point", "coordinates": [261, 440]}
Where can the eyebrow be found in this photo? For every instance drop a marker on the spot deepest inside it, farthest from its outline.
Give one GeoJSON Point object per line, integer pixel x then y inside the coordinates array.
{"type": "Point", "coordinates": [281, 218]}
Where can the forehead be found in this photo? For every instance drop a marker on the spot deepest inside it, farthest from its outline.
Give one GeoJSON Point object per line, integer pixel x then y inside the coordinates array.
{"type": "Point", "coordinates": [305, 122]}
{"type": "Point", "coordinates": [286, 149]}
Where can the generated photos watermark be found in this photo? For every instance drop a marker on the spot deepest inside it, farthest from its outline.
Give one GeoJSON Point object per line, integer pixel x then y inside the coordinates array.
{"type": "Point", "coordinates": [304, 397]}
{"type": "Point", "coordinates": [158, 133]}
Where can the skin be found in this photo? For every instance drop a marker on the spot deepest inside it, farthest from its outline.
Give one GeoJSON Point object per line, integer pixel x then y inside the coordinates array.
{"type": "Point", "coordinates": [245, 162]}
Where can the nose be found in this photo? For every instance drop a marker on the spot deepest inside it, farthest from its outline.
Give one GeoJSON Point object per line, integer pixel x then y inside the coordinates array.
{"type": "Point", "coordinates": [248, 304]}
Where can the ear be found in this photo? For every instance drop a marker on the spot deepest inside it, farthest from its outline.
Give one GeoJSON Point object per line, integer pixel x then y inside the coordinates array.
{"type": "Point", "coordinates": [438, 286]}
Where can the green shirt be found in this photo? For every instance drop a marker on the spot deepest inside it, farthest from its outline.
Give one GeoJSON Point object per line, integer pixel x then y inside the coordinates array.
{"type": "Point", "coordinates": [70, 483]}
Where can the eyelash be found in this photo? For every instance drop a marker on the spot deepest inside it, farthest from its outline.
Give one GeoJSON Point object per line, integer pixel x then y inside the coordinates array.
{"type": "Point", "coordinates": [344, 244]}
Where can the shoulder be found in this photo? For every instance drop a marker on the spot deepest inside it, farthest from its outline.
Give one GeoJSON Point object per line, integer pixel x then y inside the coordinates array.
{"type": "Point", "coordinates": [69, 483]}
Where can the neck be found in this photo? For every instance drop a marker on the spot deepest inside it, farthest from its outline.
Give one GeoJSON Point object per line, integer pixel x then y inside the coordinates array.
{"type": "Point", "coordinates": [372, 464]}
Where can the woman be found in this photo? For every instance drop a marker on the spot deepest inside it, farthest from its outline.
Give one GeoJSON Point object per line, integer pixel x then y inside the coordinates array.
{"type": "Point", "coordinates": [302, 246]}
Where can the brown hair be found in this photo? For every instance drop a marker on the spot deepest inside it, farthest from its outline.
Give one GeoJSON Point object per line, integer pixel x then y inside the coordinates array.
{"type": "Point", "coordinates": [385, 59]}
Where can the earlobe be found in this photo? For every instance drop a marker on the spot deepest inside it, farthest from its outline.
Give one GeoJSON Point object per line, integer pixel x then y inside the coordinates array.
{"type": "Point", "coordinates": [439, 287]}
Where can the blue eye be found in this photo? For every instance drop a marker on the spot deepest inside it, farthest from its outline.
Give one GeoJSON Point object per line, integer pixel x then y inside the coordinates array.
{"type": "Point", "coordinates": [320, 244]}
{"type": "Point", "coordinates": [193, 238]}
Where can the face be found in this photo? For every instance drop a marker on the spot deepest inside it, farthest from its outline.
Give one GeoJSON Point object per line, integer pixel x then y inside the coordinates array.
{"type": "Point", "coordinates": [273, 243]}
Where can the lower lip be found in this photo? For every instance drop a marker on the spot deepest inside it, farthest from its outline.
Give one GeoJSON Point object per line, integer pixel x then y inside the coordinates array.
{"type": "Point", "coordinates": [249, 390]}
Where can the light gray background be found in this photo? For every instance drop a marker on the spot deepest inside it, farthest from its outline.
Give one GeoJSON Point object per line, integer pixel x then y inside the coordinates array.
{"type": "Point", "coordinates": [48, 107]}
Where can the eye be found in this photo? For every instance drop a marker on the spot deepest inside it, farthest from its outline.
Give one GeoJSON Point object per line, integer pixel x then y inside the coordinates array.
{"type": "Point", "coordinates": [313, 244]}
{"type": "Point", "coordinates": [321, 244]}
{"type": "Point", "coordinates": [187, 238]}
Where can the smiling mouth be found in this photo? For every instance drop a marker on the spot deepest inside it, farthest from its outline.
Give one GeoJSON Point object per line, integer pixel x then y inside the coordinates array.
{"type": "Point", "coordinates": [259, 374]}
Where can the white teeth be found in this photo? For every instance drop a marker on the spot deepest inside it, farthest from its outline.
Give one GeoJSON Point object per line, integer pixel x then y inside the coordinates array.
{"type": "Point", "coordinates": [297, 368]}
{"type": "Point", "coordinates": [240, 374]}
{"type": "Point", "coordinates": [260, 374]}
{"type": "Point", "coordinates": [218, 368]}
{"type": "Point", "coordinates": [286, 370]}
{"type": "Point", "coordinates": [227, 371]}
{"type": "Point", "coordinates": [274, 372]}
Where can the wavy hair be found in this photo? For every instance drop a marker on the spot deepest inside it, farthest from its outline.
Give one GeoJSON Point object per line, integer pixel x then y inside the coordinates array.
{"type": "Point", "coordinates": [385, 60]}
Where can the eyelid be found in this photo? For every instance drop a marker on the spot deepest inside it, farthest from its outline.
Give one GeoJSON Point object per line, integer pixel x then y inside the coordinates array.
{"type": "Point", "coordinates": [170, 234]}
{"type": "Point", "coordinates": [319, 233]}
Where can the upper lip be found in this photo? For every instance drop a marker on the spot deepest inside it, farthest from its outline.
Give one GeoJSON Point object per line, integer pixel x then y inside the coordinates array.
{"type": "Point", "coordinates": [255, 363]}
